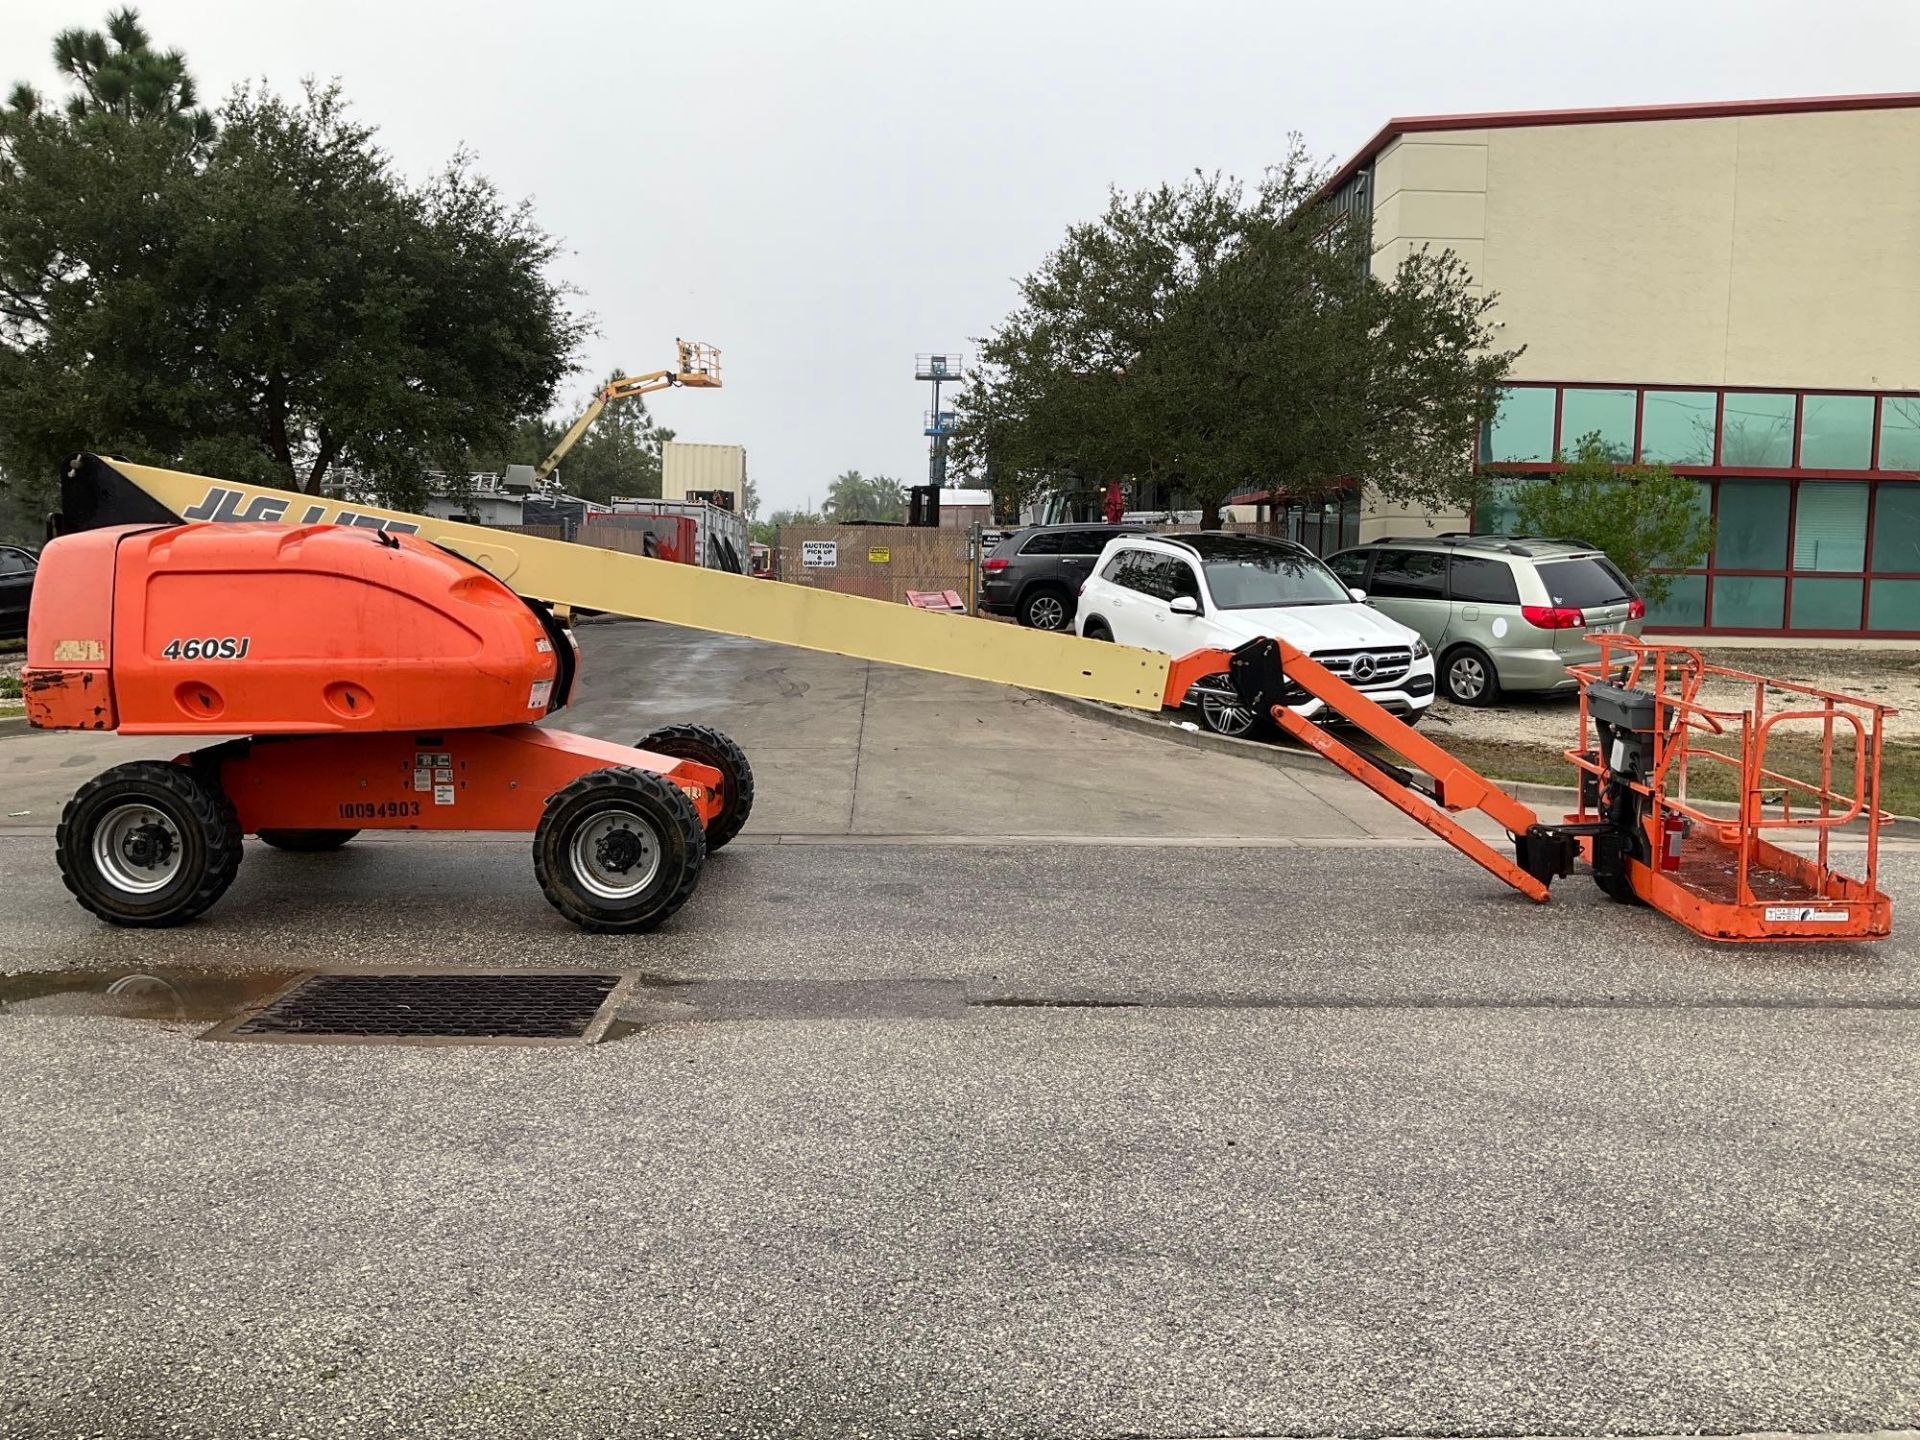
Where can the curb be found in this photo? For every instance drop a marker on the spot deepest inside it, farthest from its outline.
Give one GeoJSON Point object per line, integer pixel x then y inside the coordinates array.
{"type": "Point", "coordinates": [1285, 757]}
{"type": "Point", "coordinates": [1545, 797]}
{"type": "Point", "coordinates": [13, 725]}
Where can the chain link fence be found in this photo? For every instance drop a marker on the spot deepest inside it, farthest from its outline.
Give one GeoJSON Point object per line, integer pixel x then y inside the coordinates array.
{"type": "Point", "coordinates": [882, 562]}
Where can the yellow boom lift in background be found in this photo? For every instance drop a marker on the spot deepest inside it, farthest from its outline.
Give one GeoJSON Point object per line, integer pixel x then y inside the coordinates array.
{"type": "Point", "coordinates": [698, 368]}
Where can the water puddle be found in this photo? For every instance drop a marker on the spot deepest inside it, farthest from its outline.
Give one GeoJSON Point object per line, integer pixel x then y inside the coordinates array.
{"type": "Point", "coordinates": [162, 993]}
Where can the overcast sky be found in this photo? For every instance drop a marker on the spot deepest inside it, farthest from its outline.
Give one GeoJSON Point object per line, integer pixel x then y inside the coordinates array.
{"type": "Point", "coordinates": [825, 189]}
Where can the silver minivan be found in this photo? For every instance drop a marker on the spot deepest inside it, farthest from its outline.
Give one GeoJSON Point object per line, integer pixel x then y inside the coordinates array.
{"type": "Point", "coordinates": [1501, 612]}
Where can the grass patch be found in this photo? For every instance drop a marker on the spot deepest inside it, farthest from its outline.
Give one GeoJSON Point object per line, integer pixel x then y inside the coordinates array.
{"type": "Point", "coordinates": [10, 687]}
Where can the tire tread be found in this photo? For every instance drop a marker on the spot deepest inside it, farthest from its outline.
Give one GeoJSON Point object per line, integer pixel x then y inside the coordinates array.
{"type": "Point", "coordinates": [621, 780]}
{"type": "Point", "coordinates": [685, 742]}
{"type": "Point", "coordinates": [205, 803]}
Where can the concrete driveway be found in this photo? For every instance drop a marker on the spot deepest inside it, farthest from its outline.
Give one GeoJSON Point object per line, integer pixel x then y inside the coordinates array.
{"type": "Point", "coordinates": [1011, 1076]}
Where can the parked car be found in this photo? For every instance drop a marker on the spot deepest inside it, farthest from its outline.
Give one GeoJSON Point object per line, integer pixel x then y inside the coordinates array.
{"type": "Point", "coordinates": [1502, 612]}
{"type": "Point", "coordinates": [1178, 593]}
{"type": "Point", "coordinates": [17, 566]}
{"type": "Point", "coordinates": [1035, 573]}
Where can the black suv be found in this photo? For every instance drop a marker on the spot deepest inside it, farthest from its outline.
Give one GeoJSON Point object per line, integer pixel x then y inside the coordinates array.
{"type": "Point", "coordinates": [17, 565]}
{"type": "Point", "coordinates": [1035, 573]}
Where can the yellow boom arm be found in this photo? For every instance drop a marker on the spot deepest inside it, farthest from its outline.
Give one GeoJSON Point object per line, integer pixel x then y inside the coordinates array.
{"type": "Point", "coordinates": [699, 368]}
{"type": "Point", "coordinates": [591, 578]}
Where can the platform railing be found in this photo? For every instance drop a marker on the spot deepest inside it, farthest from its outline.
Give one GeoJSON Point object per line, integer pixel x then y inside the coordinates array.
{"type": "Point", "coordinates": [1674, 677]}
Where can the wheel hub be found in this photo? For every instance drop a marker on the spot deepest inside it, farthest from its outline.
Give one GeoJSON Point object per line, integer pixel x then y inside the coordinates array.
{"type": "Point", "coordinates": [137, 848]}
{"type": "Point", "coordinates": [147, 846]}
{"type": "Point", "coordinates": [616, 854]}
{"type": "Point", "coordinates": [618, 851]}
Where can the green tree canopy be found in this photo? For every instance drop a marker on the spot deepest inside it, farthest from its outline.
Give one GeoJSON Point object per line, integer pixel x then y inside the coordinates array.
{"type": "Point", "coordinates": [854, 496]}
{"type": "Point", "coordinates": [767, 531]}
{"type": "Point", "coordinates": [116, 71]}
{"type": "Point", "coordinates": [1646, 518]}
{"type": "Point", "coordinates": [1215, 340]}
{"type": "Point", "coordinates": [269, 303]}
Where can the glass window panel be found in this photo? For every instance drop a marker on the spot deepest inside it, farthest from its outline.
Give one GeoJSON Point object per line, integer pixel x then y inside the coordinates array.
{"type": "Point", "coordinates": [1685, 606]}
{"type": "Point", "coordinates": [1753, 526]}
{"type": "Point", "coordinates": [1408, 575]}
{"type": "Point", "coordinates": [1826, 605]}
{"type": "Point", "coordinates": [1351, 567]}
{"type": "Point", "coordinates": [1702, 507]}
{"type": "Point", "coordinates": [1522, 428]}
{"type": "Point", "coordinates": [1896, 527]}
{"type": "Point", "coordinates": [1756, 429]}
{"type": "Point", "coordinates": [1676, 427]}
{"type": "Point", "coordinates": [1899, 433]}
{"type": "Point", "coordinates": [1744, 602]}
{"type": "Point", "coordinates": [1830, 527]}
{"type": "Point", "coordinates": [1836, 432]}
{"type": "Point", "coordinates": [1608, 412]}
{"type": "Point", "coordinates": [1894, 605]}
{"type": "Point", "coordinates": [1494, 515]}
{"type": "Point", "coordinates": [1483, 580]}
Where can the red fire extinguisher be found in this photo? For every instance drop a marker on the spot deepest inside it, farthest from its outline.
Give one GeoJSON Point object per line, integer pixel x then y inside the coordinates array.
{"type": "Point", "coordinates": [1673, 834]}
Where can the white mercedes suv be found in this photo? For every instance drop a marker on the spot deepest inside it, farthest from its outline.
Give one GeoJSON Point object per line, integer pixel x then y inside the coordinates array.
{"type": "Point", "coordinates": [1179, 593]}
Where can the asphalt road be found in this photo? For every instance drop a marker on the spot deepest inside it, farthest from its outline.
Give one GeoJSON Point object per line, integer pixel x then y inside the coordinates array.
{"type": "Point", "coordinates": [923, 1128]}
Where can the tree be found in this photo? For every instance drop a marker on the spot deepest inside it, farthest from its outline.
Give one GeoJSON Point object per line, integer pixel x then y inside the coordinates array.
{"type": "Point", "coordinates": [118, 72]}
{"type": "Point", "coordinates": [267, 304]}
{"type": "Point", "coordinates": [1646, 518]}
{"type": "Point", "coordinates": [854, 496]}
{"type": "Point", "coordinates": [1054, 400]}
{"type": "Point", "coordinates": [767, 532]}
{"type": "Point", "coordinates": [1214, 340]}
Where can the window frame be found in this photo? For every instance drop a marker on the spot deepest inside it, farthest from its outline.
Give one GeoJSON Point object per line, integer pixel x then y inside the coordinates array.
{"type": "Point", "coordinates": [1499, 562]}
{"type": "Point", "coordinates": [1717, 474]}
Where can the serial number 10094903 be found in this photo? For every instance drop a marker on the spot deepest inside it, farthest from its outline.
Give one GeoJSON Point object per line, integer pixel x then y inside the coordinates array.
{"type": "Point", "coordinates": [379, 810]}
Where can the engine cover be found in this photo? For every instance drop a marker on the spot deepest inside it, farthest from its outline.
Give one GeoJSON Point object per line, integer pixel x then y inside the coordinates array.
{"type": "Point", "coordinates": [261, 629]}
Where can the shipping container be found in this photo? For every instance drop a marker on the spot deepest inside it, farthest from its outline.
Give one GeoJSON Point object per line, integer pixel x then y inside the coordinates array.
{"type": "Point", "coordinates": [689, 471]}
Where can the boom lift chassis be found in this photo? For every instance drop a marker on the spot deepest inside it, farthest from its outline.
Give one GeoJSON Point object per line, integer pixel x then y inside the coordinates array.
{"type": "Point", "coordinates": [1651, 717]}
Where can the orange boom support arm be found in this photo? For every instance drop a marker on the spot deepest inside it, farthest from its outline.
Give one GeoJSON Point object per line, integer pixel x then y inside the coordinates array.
{"type": "Point", "coordinates": [1265, 671]}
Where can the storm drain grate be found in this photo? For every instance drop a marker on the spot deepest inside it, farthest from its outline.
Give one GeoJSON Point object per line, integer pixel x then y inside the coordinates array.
{"type": "Point", "coordinates": [448, 1008]}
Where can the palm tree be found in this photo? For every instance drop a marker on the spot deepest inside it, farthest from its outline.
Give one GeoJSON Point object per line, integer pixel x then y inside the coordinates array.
{"type": "Point", "coordinates": [854, 496]}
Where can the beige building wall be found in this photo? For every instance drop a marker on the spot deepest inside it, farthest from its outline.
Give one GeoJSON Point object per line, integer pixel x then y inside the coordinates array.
{"type": "Point", "coordinates": [1756, 250]}
{"type": "Point", "coordinates": [1428, 191]}
{"type": "Point", "coordinates": [1760, 250]}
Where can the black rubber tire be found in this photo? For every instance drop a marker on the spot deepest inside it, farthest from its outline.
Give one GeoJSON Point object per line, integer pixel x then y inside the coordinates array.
{"type": "Point", "coordinates": [708, 746]}
{"type": "Point", "coordinates": [1061, 596]}
{"type": "Point", "coordinates": [1490, 691]}
{"type": "Point", "coordinates": [666, 811]}
{"type": "Point", "coordinates": [307, 842]}
{"type": "Point", "coordinates": [1097, 630]}
{"type": "Point", "coordinates": [198, 810]}
{"type": "Point", "coordinates": [1610, 874]}
{"type": "Point", "coordinates": [1611, 849]}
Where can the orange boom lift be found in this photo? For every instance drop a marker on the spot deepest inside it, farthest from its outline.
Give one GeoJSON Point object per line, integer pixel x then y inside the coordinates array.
{"type": "Point", "coordinates": [383, 670]}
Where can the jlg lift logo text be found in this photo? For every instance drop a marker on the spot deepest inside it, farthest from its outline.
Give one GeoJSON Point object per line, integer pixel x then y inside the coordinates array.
{"type": "Point", "coordinates": [220, 503]}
